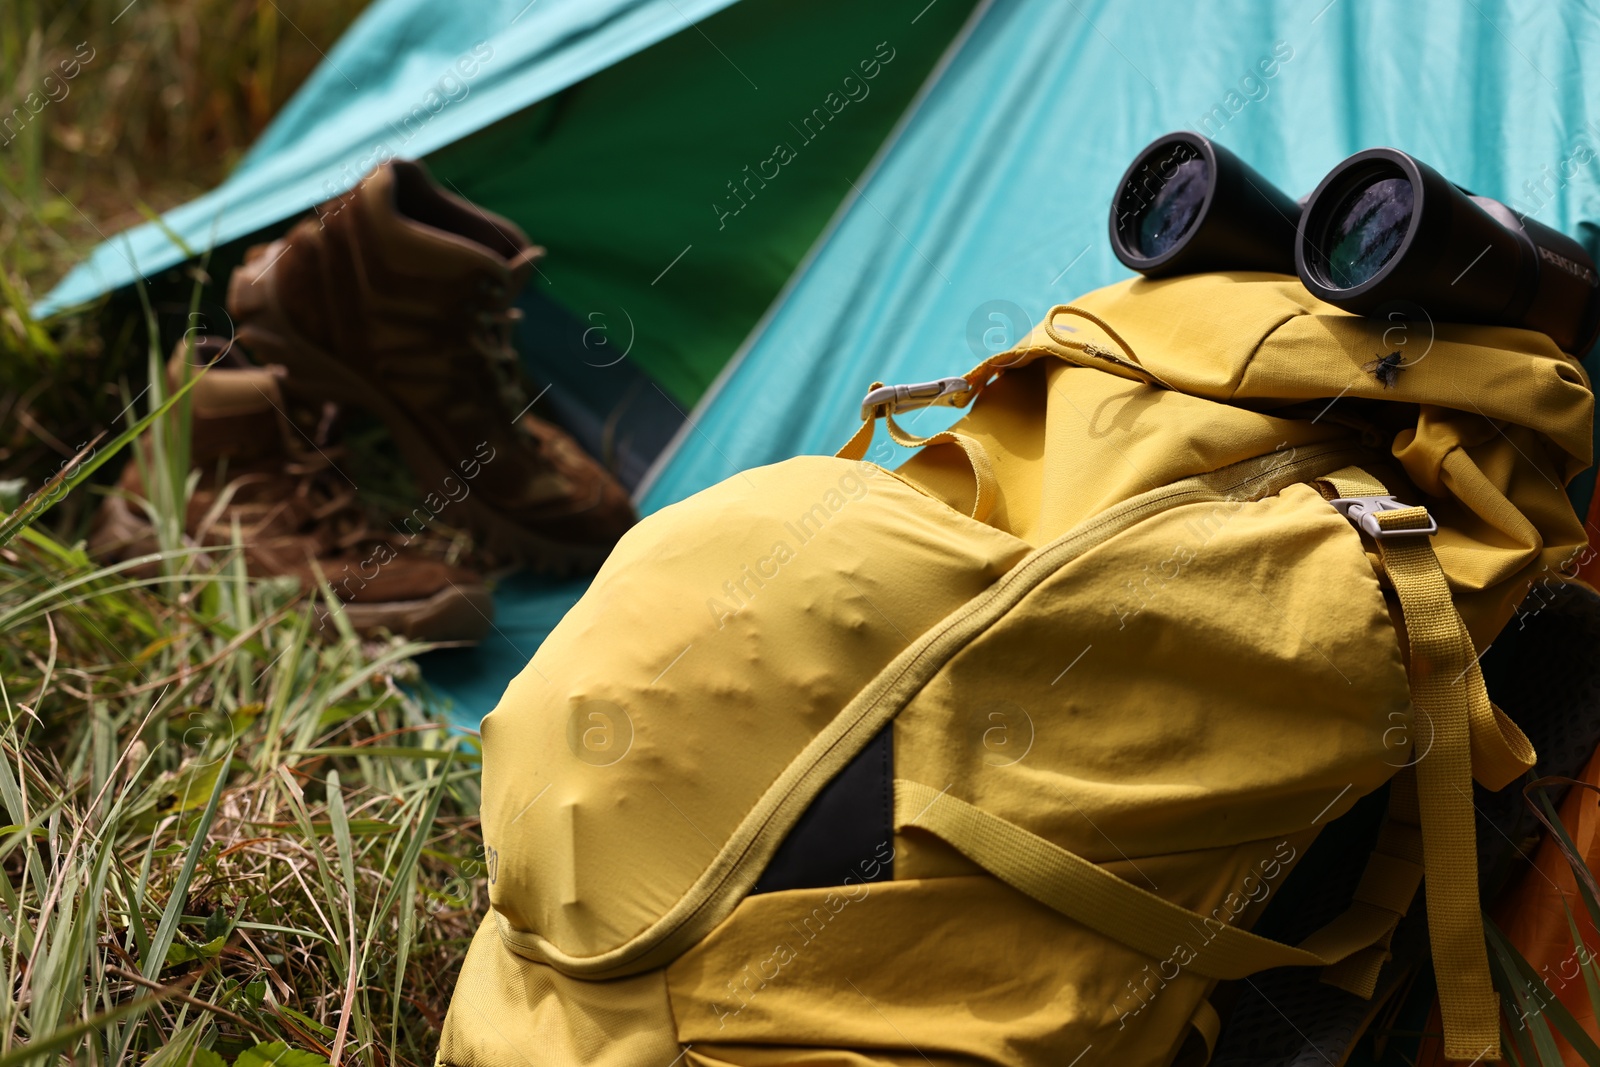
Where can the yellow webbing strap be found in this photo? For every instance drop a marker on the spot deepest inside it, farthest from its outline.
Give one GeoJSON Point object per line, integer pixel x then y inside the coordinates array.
{"type": "Point", "coordinates": [1208, 1024]}
{"type": "Point", "coordinates": [982, 467]}
{"type": "Point", "coordinates": [979, 377]}
{"type": "Point", "coordinates": [1467, 733]}
{"type": "Point", "coordinates": [1088, 893]}
{"type": "Point", "coordinates": [1394, 871]}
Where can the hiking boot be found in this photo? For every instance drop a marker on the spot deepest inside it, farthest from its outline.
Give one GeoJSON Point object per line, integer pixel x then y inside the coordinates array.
{"type": "Point", "coordinates": [398, 297]}
{"type": "Point", "coordinates": [296, 512]}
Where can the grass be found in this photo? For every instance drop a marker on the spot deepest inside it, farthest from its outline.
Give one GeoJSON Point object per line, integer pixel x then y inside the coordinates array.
{"type": "Point", "coordinates": [221, 831]}
{"type": "Point", "coordinates": [163, 98]}
{"type": "Point", "coordinates": [224, 839]}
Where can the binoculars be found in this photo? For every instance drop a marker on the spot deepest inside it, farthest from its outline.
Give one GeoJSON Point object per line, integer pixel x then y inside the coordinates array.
{"type": "Point", "coordinates": [1381, 230]}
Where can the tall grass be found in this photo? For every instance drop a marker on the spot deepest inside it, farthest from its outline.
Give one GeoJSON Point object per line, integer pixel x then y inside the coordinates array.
{"type": "Point", "coordinates": [221, 831]}
{"type": "Point", "coordinates": [166, 96]}
{"type": "Point", "coordinates": [226, 839]}
{"type": "Point", "coordinates": [170, 94]}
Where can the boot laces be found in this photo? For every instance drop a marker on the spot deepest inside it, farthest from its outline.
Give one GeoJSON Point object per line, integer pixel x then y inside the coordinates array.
{"type": "Point", "coordinates": [495, 342]}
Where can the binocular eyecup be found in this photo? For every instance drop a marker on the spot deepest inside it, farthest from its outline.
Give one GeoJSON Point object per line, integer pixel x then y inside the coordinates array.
{"type": "Point", "coordinates": [1189, 206]}
{"type": "Point", "coordinates": [1382, 229]}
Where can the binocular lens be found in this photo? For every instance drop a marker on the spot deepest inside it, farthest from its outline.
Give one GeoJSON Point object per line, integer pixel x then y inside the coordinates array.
{"type": "Point", "coordinates": [1176, 205]}
{"type": "Point", "coordinates": [1384, 229]}
{"type": "Point", "coordinates": [1367, 229]}
{"type": "Point", "coordinates": [1186, 205]}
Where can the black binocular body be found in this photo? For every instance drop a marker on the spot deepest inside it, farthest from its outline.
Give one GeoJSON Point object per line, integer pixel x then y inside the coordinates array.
{"type": "Point", "coordinates": [1382, 231]}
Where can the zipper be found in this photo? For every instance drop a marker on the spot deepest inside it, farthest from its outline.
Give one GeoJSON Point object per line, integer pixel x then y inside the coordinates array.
{"type": "Point", "coordinates": [1093, 532]}
{"type": "Point", "coordinates": [1197, 489]}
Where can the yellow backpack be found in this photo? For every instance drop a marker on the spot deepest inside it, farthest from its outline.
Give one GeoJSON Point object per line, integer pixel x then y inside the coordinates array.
{"type": "Point", "coordinates": [995, 758]}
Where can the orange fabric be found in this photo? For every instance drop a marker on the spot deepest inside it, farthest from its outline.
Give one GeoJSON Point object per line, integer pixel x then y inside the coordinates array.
{"type": "Point", "coordinates": [1588, 559]}
{"type": "Point", "coordinates": [1533, 919]}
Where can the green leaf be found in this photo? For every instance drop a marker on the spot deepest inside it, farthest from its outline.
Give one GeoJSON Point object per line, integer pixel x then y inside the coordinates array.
{"type": "Point", "coordinates": [1515, 1002]}
{"type": "Point", "coordinates": [219, 924]}
{"type": "Point", "coordinates": [278, 1054]}
{"type": "Point", "coordinates": [182, 952]}
{"type": "Point", "coordinates": [179, 793]}
{"type": "Point", "coordinates": [347, 863]}
{"type": "Point", "coordinates": [150, 651]}
{"type": "Point", "coordinates": [305, 1020]}
{"type": "Point", "coordinates": [274, 928]}
{"type": "Point", "coordinates": [1539, 1004]}
{"type": "Point", "coordinates": [334, 714]}
{"type": "Point", "coordinates": [1586, 964]}
{"type": "Point", "coordinates": [1545, 811]}
{"type": "Point", "coordinates": [244, 715]}
{"type": "Point", "coordinates": [356, 828]}
{"type": "Point", "coordinates": [441, 895]}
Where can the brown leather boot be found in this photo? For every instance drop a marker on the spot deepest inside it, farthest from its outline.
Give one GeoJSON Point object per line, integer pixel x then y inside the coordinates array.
{"type": "Point", "coordinates": [398, 297]}
{"type": "Point", "coordinates": [296, 513]}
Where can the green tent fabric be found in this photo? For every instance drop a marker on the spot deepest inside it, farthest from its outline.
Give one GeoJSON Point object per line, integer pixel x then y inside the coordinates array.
{"type": "Point", "coordinates": [677, 190]}
{"type": "Point", "coordinates": [676, 186]}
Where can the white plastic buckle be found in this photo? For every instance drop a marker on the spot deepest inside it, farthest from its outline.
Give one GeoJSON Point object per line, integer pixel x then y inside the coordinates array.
{"type": "Point", "coordinates": [1362, 511]}
{"type": "Point", "coordinates": [946, 392]}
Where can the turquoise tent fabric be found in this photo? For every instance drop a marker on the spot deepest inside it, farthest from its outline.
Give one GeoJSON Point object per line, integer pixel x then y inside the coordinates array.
{"type": "Point", "coordinates": [998, 193]}
{"type": "Point", "coordinates": [397, 84]}
{"type": "Point", "coordinates": [991, 204]}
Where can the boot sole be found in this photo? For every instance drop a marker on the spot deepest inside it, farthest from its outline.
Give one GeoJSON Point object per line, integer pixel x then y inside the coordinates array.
{"type": "Point", "coordinates": [452, 614]}
{"type": "Point", "coordinates": [265, 330]}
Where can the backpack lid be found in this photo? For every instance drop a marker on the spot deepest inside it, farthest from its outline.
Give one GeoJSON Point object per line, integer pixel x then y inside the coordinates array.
{"type": "Point", "coordinates": [1489, 423]}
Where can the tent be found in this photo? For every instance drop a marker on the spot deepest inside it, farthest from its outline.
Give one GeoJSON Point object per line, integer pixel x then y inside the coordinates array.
{"type": "Point", "coordinates": [921, 218]}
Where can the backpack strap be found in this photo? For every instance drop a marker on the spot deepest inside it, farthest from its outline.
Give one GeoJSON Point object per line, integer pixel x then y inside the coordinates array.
{"type": "Point", "coordinates": [1470, 738]}
{"type": "Point", "coordinates": [1205, 1024]}
{"type": "Point", "coordinates": [1390, 881]}
{"type": "Point", "coordinates": [1087, 893]}
{"type": "Point", "coordinates": [883, 401]}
